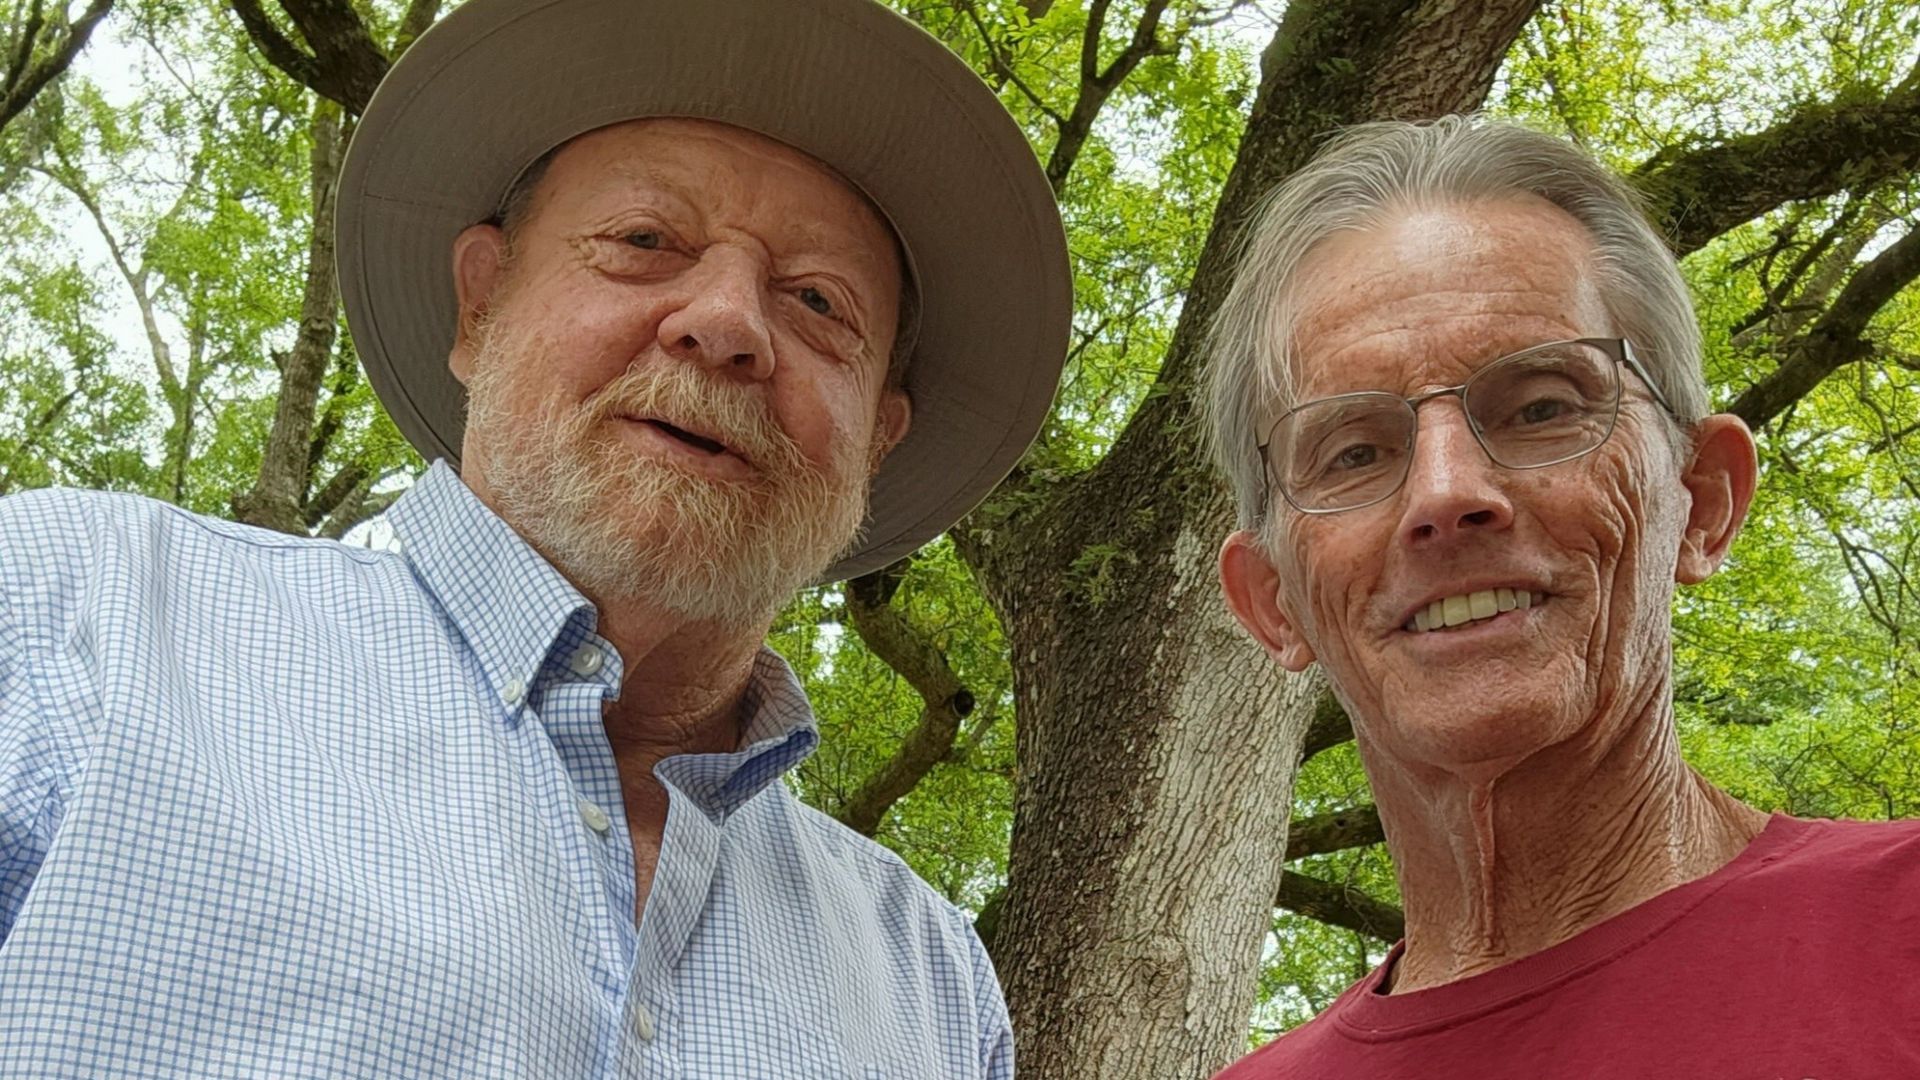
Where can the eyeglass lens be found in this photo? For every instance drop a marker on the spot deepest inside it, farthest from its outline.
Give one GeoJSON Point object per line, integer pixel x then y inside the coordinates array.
{"type": "Point", "coordinates": [1534, 408]}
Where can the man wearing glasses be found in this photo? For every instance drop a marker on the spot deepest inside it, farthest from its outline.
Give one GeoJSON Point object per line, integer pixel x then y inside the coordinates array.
{"type": "Point", "coordinates": [1456, 388]}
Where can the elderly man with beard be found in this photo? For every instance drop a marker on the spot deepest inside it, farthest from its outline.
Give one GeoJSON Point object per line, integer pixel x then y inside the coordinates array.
{"type": "Point", "coordinates": [1456, 387]}
{"type": "Point", "coordinates": [744, 294]}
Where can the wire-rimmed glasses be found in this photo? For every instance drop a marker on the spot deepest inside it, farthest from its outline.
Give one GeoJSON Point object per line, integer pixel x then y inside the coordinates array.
{"type": "Point", "coordinates": [1537, 407]}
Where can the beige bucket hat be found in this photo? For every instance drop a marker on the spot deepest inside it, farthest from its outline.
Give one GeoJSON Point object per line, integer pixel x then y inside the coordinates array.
{"type": "Point", "coordinates": [498, 83]}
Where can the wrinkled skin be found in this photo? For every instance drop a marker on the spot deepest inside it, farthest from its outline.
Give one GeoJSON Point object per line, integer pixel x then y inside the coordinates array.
{"type": "Point", "coordinates": [680, 243]}
{"type": "Point", "coordinates": [1483, 743]}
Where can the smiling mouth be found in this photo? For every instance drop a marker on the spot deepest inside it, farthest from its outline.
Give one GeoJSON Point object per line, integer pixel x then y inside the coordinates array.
{"type": "Point", "coordinates": [700, 442]}
{"type": "Point", "coordinates": [1468, 608]}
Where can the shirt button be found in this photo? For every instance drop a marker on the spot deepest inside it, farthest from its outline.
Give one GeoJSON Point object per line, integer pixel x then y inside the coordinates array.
{"type": "Point", "coordinates": [513, 691]}
{"type": "Point", "coordinates": [596, 818]}
{"type": "Point", "coordinates": [585, 660]}
{"type": "Point", "coordinates": [643, 1023]}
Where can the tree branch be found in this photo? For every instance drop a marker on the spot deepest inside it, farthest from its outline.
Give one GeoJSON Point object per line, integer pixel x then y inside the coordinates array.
{"type": "Point", "coordinates": [1003, 67]}
{"type": "Point", "coordinates": [946, 701]}
{"type": "Point", "coordinates": [33, 434]}
{"type": "Point", "coordinates": [1322, 834]}
{"type": "Point", "coordinates": [68, 178]}
{"type": "Point", "coordinates": [1096, 86]}
{"type": "Point", "coordinates": [353, 511]}
{"type": "Point", "coordinates": [1330, 726]}
{"type": "Point", "coordinates": [1340, 905]}
{"type": "Point", "coordinates": [344, 488]}
{"type": "Point", "coordinates": [23, 48]}
{"type": "Point", "coordinates": [344, 64]}
{"type": "Point", "coordinates": [25, 80]}
{"type": "Point", "coordinates": [1837, 338]}
{"type": "Point", "coordinates": [280, 484]}
{"type": "Point", "coordinates": [1698, 192]}
{"type": "Point", "coordinates": [420, 15]}
{"type": "Point", "coordinates": [274, 45]}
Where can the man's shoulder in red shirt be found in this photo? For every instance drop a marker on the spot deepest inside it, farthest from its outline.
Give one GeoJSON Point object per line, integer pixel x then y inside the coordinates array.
{"type": "Point", "coordinates": [1798, 959]}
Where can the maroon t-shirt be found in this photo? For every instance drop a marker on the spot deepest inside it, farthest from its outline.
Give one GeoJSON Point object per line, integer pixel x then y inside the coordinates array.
{"type": "Point", "coordinates": [1798, 959]}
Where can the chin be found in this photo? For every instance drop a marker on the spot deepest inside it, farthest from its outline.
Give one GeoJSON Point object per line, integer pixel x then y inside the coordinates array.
{"type": "Point", "coordinates": [1474, 740]}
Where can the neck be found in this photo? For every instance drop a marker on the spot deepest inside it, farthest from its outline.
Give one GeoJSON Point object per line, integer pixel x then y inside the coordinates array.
{"type": "Point", "coordinates": [1495, 867]}
{"type": "Point", "coordinates": [682, 687]}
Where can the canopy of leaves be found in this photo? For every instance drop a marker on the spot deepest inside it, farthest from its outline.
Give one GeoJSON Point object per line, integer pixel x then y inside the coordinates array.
{"type": "Point", "coordinates": [156, 203]}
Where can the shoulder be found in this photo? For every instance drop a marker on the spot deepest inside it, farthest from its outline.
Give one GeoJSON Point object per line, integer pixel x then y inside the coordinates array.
{"type": "Point", "coordinates": [50, 541]}
{"type": "Point", "coordinates": [1302, 1051]}
{"type": "Point", "coordinates": [877, 879]}
{"type": "Point", "coordinates": [55, 523]}
{"type": "Point", "coordinates": [65, 551]}
{"type": "Point", "coordinates": [1847, 849]}
{"type": "Point", "coordinates": [878, 868]}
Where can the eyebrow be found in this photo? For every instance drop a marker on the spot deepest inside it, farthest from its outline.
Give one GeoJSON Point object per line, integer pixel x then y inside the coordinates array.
{"type": "Point", "coordinates": [799, 237]}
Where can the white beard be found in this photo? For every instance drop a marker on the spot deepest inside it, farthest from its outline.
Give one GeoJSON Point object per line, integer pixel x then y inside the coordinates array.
{"type": "Point", "coordinates": [626, 528]}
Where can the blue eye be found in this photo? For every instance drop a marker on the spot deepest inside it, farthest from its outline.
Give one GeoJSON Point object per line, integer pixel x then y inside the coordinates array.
{"type": "Point", "coordinates": [816, 300]}
{"type": "Point", "coordinates": [646, 240]}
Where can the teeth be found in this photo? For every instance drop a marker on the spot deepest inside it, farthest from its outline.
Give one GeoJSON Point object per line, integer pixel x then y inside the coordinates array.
{"type": "Point", "coordinates": [1469, 607]}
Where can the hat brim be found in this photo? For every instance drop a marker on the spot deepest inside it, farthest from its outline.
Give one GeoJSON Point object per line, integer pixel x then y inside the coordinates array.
{"type": "Point", "coordinates": [497, 83]}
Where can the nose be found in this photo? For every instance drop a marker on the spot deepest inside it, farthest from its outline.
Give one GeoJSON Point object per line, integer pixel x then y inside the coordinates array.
{"type": "Point", "coordinates": [722, 322]}
{"type": "Point", "coordinates": [1451, 486]}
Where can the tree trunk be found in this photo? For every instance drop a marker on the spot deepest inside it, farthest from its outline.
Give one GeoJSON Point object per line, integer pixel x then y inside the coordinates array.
{"type": "Point", "coordinates": [1157, 745]}
{"type": "Point", "coordinates": [279, 494]}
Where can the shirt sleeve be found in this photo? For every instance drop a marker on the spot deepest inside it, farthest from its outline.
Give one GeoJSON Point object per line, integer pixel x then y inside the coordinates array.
{"type": "Point", "coordinates": [996, 1030]}
{"type": "Point", "coordinates": [29, 774]}
{"type": "Point", "coordinates": [36, 741]}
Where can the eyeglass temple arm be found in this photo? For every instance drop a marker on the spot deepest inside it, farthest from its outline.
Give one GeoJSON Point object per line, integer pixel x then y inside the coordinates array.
{"type": "Point", "coordinates": [1633, 364]}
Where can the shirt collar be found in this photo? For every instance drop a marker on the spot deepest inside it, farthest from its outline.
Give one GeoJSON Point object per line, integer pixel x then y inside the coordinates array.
{"type": "Point", "coordinates": [502, 596]}
{"type": "Point", "coordinates": [778, 733]}
{"type": "Point", "coordinates": [512, 607]}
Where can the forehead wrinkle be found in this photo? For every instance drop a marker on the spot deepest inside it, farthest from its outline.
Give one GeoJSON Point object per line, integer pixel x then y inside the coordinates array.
{"type": "Point", "coordinates": [1412, 355]}
{"type": "Point", "coordinates": [793, 236]}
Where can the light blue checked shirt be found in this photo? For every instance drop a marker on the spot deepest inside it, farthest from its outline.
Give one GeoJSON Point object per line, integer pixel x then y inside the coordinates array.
{"type": "Point", "coordinates": [282, 807]}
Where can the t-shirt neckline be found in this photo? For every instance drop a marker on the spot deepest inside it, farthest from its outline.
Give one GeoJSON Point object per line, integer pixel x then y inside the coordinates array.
{"type": "Point", "coordinates": [1364, 1013]}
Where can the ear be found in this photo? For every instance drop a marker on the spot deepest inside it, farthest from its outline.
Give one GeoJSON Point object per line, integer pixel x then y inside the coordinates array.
{"type": "Point", "coordinates": [479, 253]}
{"type": "Point", "coordinates": [1721, 478]}
{"type": "Point", "coordinates": [893, 419]}
{"type": "Point", "coordinates": [1252, 587]}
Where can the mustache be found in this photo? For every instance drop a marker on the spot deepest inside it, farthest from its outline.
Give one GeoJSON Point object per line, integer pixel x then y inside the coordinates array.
{"type": "Point", "coordinates": [690, 399]}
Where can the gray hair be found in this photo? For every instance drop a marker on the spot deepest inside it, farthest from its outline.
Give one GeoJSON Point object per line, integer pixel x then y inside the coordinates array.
{"type": "Point", "coordinates": [1359, 180]}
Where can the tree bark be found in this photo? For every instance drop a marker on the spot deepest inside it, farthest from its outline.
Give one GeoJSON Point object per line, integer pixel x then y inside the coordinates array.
{"type": "Point", "coordinates": [278, 497]}
{"type": "Point", "coordinates": [1340, 905]}
{"type": "Point", "coordinates": [1330, 727]}
{"type": "Point", "coordinates": [341, 61]}
{"type": "Point", "coordinates": [1156, 746]}
{"type": "Point", "coordinates": [1355, 826]}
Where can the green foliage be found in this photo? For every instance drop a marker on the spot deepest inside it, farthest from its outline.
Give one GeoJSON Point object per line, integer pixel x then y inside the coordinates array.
{"type": "Point", "coordinates": [173, 208]}
{"type": "Point", "coordinates": [1796, 681]}
{"type": "Point", "coordinates": [952, 827]}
